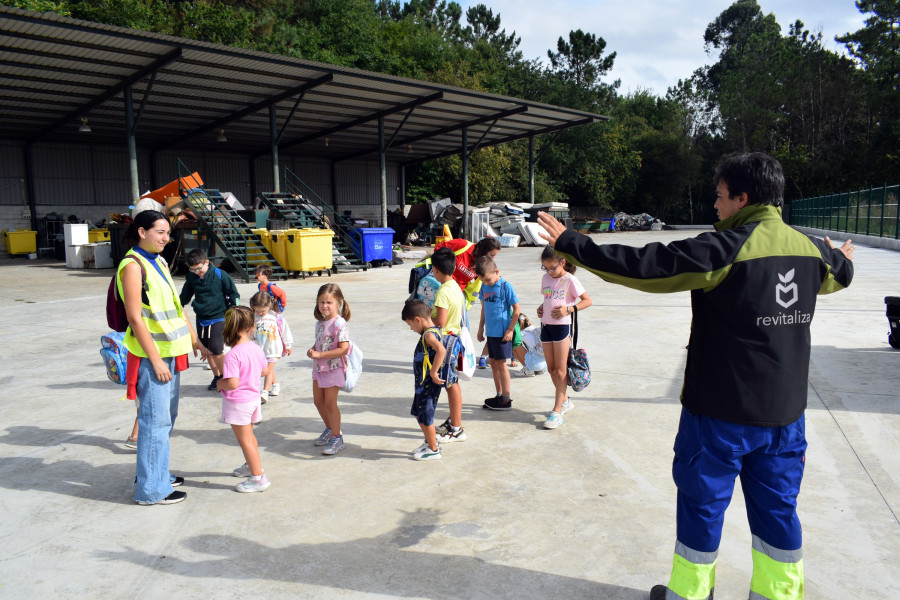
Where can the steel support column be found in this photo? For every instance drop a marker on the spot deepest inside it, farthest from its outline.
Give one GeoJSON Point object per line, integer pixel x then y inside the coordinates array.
{"type": "Point", "coordinates": [273, 132]}
{"type": "Point", "coordinates": [383, 171]}
{"type": "Point", "coordinates": [29, 185]}
{"type": "Point", "coordinates": [531, 169]}
{"type": "Point", "coordinates": [465, 182]}
{"type": "Point", "coordinates": [132, 146]}
{"type": "Point", "coordinates": [403, 189]}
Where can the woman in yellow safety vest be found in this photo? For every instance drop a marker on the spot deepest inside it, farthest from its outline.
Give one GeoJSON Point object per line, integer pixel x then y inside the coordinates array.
{"type": "Point", "coordinates": [158, 339]}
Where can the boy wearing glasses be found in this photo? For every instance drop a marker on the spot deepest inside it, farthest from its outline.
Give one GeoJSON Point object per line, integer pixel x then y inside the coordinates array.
{"type": "Point", "coordinates": [213, 294]}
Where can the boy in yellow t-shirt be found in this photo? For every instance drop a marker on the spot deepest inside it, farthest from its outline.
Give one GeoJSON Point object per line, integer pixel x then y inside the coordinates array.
{"type": "Point", "coordinates": [447, 314]}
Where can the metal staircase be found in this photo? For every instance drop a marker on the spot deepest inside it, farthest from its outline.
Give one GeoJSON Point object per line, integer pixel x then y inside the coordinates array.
{"type": "Point", "coordinates": [243, 248]}
{"type": "Point", "coordinates": [303, 208]}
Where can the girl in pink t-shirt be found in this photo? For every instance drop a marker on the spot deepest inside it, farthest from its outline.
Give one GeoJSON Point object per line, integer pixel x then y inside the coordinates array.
{"type": "Point", "coordinates": [332, 343]}
{"type": "Point", "coordinates": [244, 364]}
{"type": "Point", "coordinates": [563, 296]}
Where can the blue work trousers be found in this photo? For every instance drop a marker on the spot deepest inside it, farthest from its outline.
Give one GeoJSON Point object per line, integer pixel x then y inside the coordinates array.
{"type": "Point", "coordinates": [711, 453]}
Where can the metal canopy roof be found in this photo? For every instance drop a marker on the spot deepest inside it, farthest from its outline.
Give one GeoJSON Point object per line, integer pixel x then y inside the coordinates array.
{"type": "Point", "coordinates": [55, 70]}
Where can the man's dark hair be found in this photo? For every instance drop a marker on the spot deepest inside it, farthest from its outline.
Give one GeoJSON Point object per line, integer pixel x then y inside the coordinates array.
{"type": "Point", "coordinates": [444, 260]}
{"type": "Point", "coordinates": [415, 308]}
{"type": "Point", "coordinates": [755, 173]}
{"type": "Point", "coordinates": [195, 257]}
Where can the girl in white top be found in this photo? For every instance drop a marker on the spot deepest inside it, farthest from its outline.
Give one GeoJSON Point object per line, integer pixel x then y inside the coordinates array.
{"type": "Point", "coordinates": [563, 295]}
{"type": "Point", "coordinates": [274, 337]}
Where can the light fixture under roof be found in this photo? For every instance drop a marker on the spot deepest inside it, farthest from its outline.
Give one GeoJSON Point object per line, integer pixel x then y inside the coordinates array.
{"type": "Point", "coordinates": [409, 148]}
{"type": "Point", "coordinates": [84, 127]}
{"type": "Point", "coordinates": [221, 136]}
{"type": "Point", "coordinates": [326, 142]}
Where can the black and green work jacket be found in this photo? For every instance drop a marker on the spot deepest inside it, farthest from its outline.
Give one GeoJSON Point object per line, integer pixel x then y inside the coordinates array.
{"type": "Point", "coordinates": [753, 287]}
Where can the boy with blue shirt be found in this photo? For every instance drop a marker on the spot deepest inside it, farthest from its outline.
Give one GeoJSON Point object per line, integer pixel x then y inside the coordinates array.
{"type": "Point", "coordinates": [499, 315]}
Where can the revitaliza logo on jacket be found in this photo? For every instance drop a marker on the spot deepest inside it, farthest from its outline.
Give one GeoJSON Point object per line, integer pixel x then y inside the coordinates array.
{"type": "Point", "coordinates": [786, 295]}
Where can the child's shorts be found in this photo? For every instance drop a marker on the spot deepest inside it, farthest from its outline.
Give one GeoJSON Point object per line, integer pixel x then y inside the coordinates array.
{"type": "Point", "coordinates": [213, 337]}
{"type": "Point", "coordinates": [424, 403]}
{"type": "Point", "coordinates": [498, 349]}
{"type": "Point", "coordinates": [554, 333]}
{"type": "Point", "coordinates": [241, 413]}
{"type": "Point", "coordinates": [332, 378]}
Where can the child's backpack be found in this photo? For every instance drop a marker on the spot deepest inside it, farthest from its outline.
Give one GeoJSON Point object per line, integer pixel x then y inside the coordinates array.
{"type": "Point", "coordinates": [453, 347]}
{"type": "Point", "coordinates": [352, 368]}
{"type": "Point", "coordinates": [115, 356]}
{"type": "Point", "coordinates": [278, 306]}
{"type": "Point", "coordinates": [578, 371]}
{"type": "Point", "coordinates": [115, 306]}
{"type": "Point", "coordinates": [422, 284]}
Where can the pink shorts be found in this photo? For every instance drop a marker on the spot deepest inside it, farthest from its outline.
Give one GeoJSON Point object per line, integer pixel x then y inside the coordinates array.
{"type": "Point", "coordinates": [241, 413]}
{"type": "Point", "coordinates": [332, 378]}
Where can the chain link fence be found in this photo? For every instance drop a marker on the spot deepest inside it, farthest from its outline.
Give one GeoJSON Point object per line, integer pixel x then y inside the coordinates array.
{"type": "Point", "coordinates": [869, 212]}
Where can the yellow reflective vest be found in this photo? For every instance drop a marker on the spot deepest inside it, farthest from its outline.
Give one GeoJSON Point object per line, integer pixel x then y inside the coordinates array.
{"type": "Point", "coordinates": [163, 316]}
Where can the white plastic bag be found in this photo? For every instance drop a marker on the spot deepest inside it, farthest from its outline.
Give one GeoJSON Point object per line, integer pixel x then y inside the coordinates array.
{"type": "Point", "coordinates": [352, 368]}
{"type": "Point", "coordinates": [468, 350]}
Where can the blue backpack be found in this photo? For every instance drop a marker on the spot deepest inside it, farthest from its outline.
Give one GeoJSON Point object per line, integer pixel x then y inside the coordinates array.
{"type": "Point", "coordinates": [115, 356]}
{"type": "Point", "coordinates": [578, 370]}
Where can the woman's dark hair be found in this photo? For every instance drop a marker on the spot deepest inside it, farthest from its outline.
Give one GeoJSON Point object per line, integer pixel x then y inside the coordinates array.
{"type": "Point", "coordinates": [488, 244]}
{"type": "Point", "coordinates": [548, 253]}
{"type": "Point", "coordinates": [144, 220]}
{"type": "Point", "coordinates": [237, 320]}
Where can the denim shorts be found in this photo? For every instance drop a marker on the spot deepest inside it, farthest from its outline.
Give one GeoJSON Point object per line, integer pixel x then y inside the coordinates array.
{"type": "Point", "coordinates": [554, 333]}
{"type": "Point", "coordinates": [424, 403]}
{"type": "Point", "coordinates": [498, 349]}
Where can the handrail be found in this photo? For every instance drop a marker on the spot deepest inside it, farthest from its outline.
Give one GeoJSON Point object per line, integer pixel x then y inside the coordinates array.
{"type": "Point", "coordinates": [342, 226]}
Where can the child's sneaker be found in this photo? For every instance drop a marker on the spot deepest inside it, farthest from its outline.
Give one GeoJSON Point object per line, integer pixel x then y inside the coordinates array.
{"type": "Point", "coordinates": [251, 485]}
{"type": "Point", "coordinates": [427, 453]}
{"type": "Point", "coordinates": [420, 449]}
{"type": "Point", "coordinates": [334, 445]}
{"type": "Point", "coordinates": [566, 407]}
{"type": "Point", "coordinates": [524, 373]}
{"type": "Point", "coordinates": [263, 397]}
{"type": "Point", "coordinates": [212, 384]}
{"type": "Point", "coordinates": [130, 443]}
{"type": "Point", "coordinates": [276, 389]}
{"type": "Point", "coordinates": [482, 362]}
{"type": "Point", "coordinates": [498, 403]}
{"type": "Point", "coordinates": [242, 471]}
{"type": "Point", "coordinates": [323, 439]}
{"type": "Point", "coordinates": [452, 436]}
{"type": "Point", "coordinates": [443, 428]}
{"type": "Point", "coordinates": [553, 421]}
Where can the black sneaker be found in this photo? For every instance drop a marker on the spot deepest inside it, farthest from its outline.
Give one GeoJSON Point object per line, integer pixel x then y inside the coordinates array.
{"type": "Point", "coordinates": [497, 397]}
{"type": "Point", "coordinates": [212, 384]}
{"type": "Point", "coordinates": [658, 592]}
{"type": "Point", "coordinates": [172, 498]}
{"type": "Point", "coordinates": [497, 404]}
{"type": "Point", "coordinates": [443, 428]}
{"type": "Point", "coordinates": [178, 481]}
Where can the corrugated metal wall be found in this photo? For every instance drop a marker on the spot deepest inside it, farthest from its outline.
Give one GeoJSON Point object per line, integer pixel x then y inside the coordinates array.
{"type": "Point", "coordinates": [72, 175]}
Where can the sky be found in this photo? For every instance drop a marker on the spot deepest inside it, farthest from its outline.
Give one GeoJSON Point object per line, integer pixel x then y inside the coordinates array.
{"type": "Point", "coordinates": [657, 42]}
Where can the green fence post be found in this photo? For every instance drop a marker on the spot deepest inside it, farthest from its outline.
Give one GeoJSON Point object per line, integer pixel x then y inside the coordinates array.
{"type": "Point", "coordinates": [896, 215]}
{"type": "Point", "coordinates": [883, 199]}
{"type": "Point", "coordinates": [868, 211]}
{"type": "Point", "coordinates": [856, 221]}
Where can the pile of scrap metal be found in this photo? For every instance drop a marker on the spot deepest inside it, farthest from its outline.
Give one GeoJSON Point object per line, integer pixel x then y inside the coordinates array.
{"type": "Point", "coordinates": [641, 222]}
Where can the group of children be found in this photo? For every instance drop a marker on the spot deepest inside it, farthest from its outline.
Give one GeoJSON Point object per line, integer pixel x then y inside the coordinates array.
{"type": "Point", "coordinates": [259, 335]}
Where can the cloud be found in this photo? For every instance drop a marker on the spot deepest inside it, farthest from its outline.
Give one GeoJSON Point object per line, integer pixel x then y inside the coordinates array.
{"type": "Point", "coordinates": [656, 43]}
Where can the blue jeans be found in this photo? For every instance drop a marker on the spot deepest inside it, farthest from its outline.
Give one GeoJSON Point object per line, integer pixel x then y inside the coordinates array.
{"type": "Point", "coordinates": [156, 416]}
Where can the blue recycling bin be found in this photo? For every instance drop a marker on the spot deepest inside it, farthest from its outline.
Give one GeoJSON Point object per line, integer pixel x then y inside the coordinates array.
{"type": "Point", "coordinates": [373, 243]}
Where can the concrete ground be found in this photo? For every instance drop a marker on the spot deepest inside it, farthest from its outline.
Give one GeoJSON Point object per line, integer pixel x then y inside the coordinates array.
{"type": "Point", "coordinates": [585, 511]}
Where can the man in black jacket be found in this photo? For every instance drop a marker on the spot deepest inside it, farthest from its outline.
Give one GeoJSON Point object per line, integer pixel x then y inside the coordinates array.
{"type": "Point", "coordinates": [753, 287]}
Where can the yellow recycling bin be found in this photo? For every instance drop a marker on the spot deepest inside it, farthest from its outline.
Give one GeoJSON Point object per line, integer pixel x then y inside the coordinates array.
{"type": "Point", "coordinates": [98, 235]}
{"type": "Point", "coordinates": [278, 248]}
{"type": "Point", "coordinates": [309, 249]}
{"type": "Point", "coordinates": [263, 237]}
{"type": "Point", "coordinates": [20, 241]}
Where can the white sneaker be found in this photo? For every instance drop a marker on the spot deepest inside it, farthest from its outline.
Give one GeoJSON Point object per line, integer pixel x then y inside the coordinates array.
{"type": "Point", "coordinates": [251, 485]}
{"type": "Point", "coordinates": [424, 446]}
{"type": "Point", "coordinates": [452, 436]}
{"type": "Point", "coordinates": [243, 471]}
{"type": "Point", "coordinates": [276, 389]}
{"type": "Point", "coordinates": [524, 373]}
{"type": "Point", "coordinates": [263, 397]}
{"type": "Point", "coordinates": [553, 421]}
{"type": "Point", "coordinates": [427, 453]}
{"type": "Point", "coordinates": [566, 407]}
